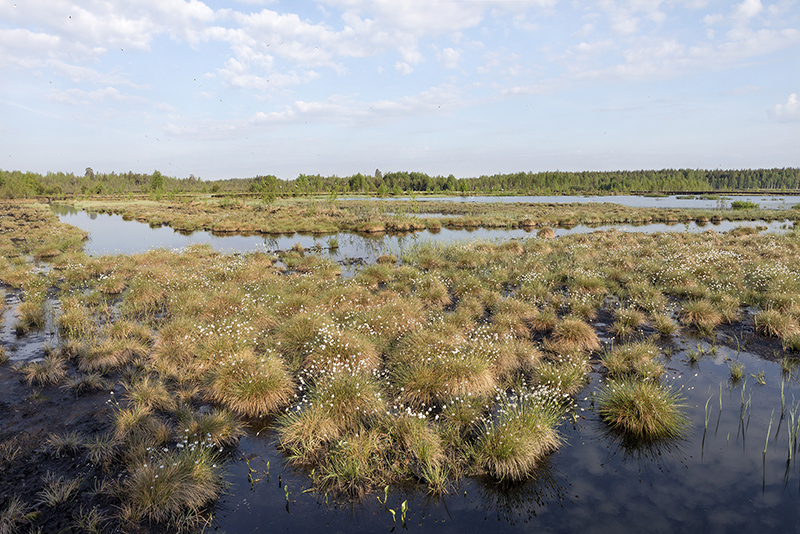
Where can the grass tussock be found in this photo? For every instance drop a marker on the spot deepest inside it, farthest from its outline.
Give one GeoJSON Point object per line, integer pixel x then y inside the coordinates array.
{"type": "Point", "coordinates": [774, 323]}
{"type": "Point", "coordinates": [46, 372]}
{"type": "Point", "coordinates": [642, 410]}
{"type": "Point", "coordinates": [149, 393]}
{"type": "Point", "coordinates": [355, 464]}
{"type": "Point", "coordinates": [665, 325]}
{"type": "Point", "coordinates": [14, 515]}
{"type": "Point", "coordinates": [170, 484]}
{"type": "Point", "coordinates": [564, 374]}
{"type": "Point", "coordinates": [431, 366]}
{"type": "Point", "coordinates": [218, 427]}
{"type": "Point", "coordinates": [627, 321]}
{"type": "Point", "coordinates": [701, 314]}
{"type": "Point", "coordinates": [573, 335]}
{"type": "Point", "coordinates": [251, 385]}
{"type": "Point", "coordinates": [86, 383]}
{"type": "Point", "coordinates": [58, 490]}
{"type": "Point", "coordinates": [517, 437]}
{"type": "Point", "coordinates": [30, 315]}
{"type": "Point", "coordinates": [68, 444]}
{"type": "Point", "coordinates": [635, 360]}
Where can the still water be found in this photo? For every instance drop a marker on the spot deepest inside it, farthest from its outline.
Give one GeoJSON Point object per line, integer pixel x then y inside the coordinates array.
{"type": "Point", "coordinates": [718, 479]}
{"type": "Point", "coordinates": [110, 234]}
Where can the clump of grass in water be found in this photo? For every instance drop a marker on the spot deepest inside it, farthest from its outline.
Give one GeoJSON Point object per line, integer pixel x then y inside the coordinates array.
{"type": "Point", "coordinates": [167, 485]}
{"type": "Point", "coordinates": [31, 314]}
{"type": "Point", "coordinates": [665, 325]}
{"type": "Point", "coordinates": [219, 427]}
{"type": "Point", "coordinates": [627, 320]}
{"type": "Point", "coordinates": [251, 385]}
{"type": "Point", "coordinates": [515, 439]}
{"type": "Point", "coordinates": [736, 371]}
{"type": "Point", "coordinates": [58, 490]}
{"type": "Point", "coordinates": [64, 444]}
{"type": "Point", "coordinates": [702, 314]}
{"type": "Point", "coordinates": [424, 447]}
{"type": "Point", "coordinates": [642, 410]}
{"type": "Point", "coordinates": [49, 371]}
{"type": "Point", "coordinates": [572, 335]}
{"type": "Point", "coordinates": [354, 464]}
{"type": "Point", "coordinates": [565, 374]}
{"type": "Point", "coordinates": [636, 359]}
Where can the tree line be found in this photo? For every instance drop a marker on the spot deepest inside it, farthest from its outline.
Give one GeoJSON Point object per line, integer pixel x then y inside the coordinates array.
{"type": "Point", "coordinates": [18, 184]}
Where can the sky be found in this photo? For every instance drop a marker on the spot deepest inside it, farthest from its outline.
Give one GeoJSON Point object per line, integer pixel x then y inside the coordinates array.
{"type": "Point", "coordinates": [465, 87]}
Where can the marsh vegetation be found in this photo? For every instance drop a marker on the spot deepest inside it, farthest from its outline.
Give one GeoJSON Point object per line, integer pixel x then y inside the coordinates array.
{"type": "Point", "coordinates": [454, 362]}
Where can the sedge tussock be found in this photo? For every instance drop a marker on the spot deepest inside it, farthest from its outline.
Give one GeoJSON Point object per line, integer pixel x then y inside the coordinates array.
{"type": "Point", "coordinates": [31, 315]}
{"type": "Point", "coordinates": [665, 325]}
{"type": "Point", "coordinates": [626, 321]}
{"type": "Point", "coordinates": [149, 392]}
{"type": "Point", "coordinates": [218, 427]}
{"type": "Point", "coordinates": [296, 336]}
{"type": "Point", "coordinates": [642, 410]}
{"type": "Point", "coordinates": [637, 359]}
{"type": "Point", "coordinates": [572, 335]}
{"type": "Point", "coordinates": [701, 314]}
{"type": "Point", "coordinates": [355, 464]}
{"type": "Point", "coordinates": [332, 348]}
{"type": "Point", "coordinates": [68, 444]}
{"type": "Point", "coordinates": [250, 385]}
{"type": "Point", "coordinates": [58, 490]}
{"type": "Point", "coordinates": [168, 484]}
{"type": "Point", "coordinates": [304, 432]}
{"type": "Point", "coordinates": [774, 323]}
{"type": "Point", "coordinates": [518, 436]}
{"type": "Point", "coordinates": [565, 374]}
{"type": "Point", "coordinates": [12, 517]}
{"type": "Point", "coordinates": [48, 371]}
{"type": "Point", "coordinates": [430, 366]}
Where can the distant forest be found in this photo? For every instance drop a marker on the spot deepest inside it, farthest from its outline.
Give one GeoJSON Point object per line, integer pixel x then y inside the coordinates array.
{"type": "Point", "coordinates": [17, 184]}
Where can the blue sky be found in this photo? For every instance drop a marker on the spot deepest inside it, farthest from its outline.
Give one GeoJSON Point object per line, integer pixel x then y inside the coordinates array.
{"type": "Point", "coordinates": [468, 87]}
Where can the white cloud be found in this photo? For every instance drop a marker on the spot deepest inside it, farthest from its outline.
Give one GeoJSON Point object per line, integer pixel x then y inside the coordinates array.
{"type": "Point", "coordinates": [714, 18]}
{"type": "Point", "coordinates": [449, 58]}
{"type": "Point", "coordinates": [93, 98]}
{"type": "Point", "coordinates": [747, 9]}
{"type": "Point", "coordinates": [403, 68]}
{"type": "Point", "coordinates": [790, 110]}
